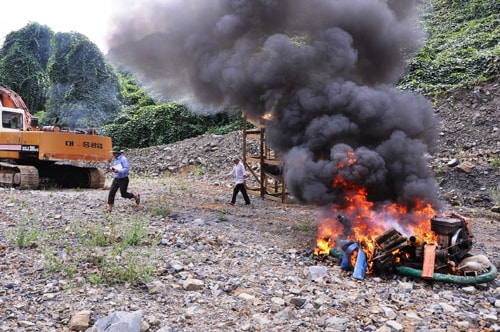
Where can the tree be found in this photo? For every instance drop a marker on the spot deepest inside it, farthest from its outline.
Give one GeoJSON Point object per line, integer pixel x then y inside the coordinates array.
{"type": "Point", "coordinates": [84, 88]}
{"type": "Point", "coordinates": [23, 63]}
{"type": "Point", "coordinates": [167, 123]}
{"type": "Point", "coordinates": [133, 94]}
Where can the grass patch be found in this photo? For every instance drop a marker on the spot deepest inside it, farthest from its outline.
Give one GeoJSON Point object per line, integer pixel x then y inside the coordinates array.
{"type": "Point", "coordinates": [495, 162]}
{"type": "Point", "coordinates": [110, 251]}
{"type": "Point", "coordinates": [200, 170]}
{"type": "Point", "coordinates": [495, 194]}
{"type": "Point", "coordinates": [124, 265]}
{"type": "Point", "coordinates": [94, 235]}
{"type": "Point", "coordinates": [160, 207]}
{"type": "Point", "coordinates": [135, 233]}
{"type": "Point", "coordinates": [305, 226]}
{"type": "Point", "coordinates": [221, 217]}
{"type": "Point", "coordinates": [24, 235]}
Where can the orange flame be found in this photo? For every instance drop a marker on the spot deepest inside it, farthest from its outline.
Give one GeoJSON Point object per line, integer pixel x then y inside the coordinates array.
{"type": "Point", "coordinates": [364, 220]}
{"type": "Point", "coordinates": [268, 116]}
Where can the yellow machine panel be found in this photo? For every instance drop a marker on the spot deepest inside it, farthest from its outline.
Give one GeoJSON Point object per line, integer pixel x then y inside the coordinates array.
{"type": "Point", "coordinates": [60, 146]}
{"type": "Point", "coordinates": [55, 146]}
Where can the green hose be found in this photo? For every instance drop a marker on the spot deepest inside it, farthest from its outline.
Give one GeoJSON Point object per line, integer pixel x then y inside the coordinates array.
{"type": "Point", "coordinates": [464, 280]}
{"type": "Point", "coordinates": [335, 253]}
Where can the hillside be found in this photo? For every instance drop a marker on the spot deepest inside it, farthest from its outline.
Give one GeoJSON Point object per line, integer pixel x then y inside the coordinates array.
{"type": "Point", "coordinates": [470, 138]}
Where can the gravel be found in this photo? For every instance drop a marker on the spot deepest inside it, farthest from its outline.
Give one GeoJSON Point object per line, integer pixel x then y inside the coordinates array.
{"type": "Point", "coordinates": [217, 267]}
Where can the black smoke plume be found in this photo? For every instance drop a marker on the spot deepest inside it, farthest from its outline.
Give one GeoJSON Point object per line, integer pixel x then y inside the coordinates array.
{"type": "Point", "coordinates": [323, 70]}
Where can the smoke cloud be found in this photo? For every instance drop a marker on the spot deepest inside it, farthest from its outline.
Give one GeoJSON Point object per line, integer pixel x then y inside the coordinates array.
{"type": "Point", "coordinates": [324, 70]}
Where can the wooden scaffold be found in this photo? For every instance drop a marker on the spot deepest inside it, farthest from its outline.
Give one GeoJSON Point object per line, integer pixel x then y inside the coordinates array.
{"type": "Point", "coordinates": [264, 164]}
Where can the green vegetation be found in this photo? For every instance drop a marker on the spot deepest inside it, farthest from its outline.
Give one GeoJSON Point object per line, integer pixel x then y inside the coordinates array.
{"type": "Point", "coordinates": [495, 162]}
{"type": "Point", "coordinates": [165, 123]}
{"type": "Point", "coordinates": [200, 170]}
{"type": "Point", "coordinates": [28, 51]}
{"type": "Point", "coordinates": [121, 252]}
{"type": "Point", "coordinates": [144, 122]}
{"type": "Point", "coordinates": [306, 226]}
{"type": "Point", "coordinates": [84, 90]}
{"type": "Point", "coordinates": [462, 48]}
{"type": "Point", "coordinates": [495, 194]}
{"type": "Point", "coordinates": [135, 232]}
{"type": "Point", "coordinates": [61, 76]}
{"type": "Point", "coordinates": [160, 207]}
{"type": "Point", "coordinates": [221, 217]}
{"type": "Point", "coordinates": [23, 235]}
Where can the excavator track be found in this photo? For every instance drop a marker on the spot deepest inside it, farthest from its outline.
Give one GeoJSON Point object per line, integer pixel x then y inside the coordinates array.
{"type": "Point", "coordinates": [71, 176]}
{"type": "Point", "coordinates": [66, 176]}
{"type": "Point", "coordinates": [97, 178]}
{"type": "Point", "coordinates": [19, 176]}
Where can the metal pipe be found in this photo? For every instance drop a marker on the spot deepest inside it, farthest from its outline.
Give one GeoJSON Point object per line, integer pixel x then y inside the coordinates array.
{"type": "Point", "coordinates": [416, 240]}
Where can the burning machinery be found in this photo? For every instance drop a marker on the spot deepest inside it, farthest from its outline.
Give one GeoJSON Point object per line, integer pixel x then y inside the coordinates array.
{"type": "Point", "coordinates": [454, 241]}
{"type": "Point", "coordinates": [445, 258]}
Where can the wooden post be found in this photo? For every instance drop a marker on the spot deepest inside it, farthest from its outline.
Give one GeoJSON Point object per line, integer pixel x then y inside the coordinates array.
{"type": "Point", "coordinates": [263, 181]}
{"type": "Point", "coordinates": [429, 261]}
{"type": "Point", "coordinates": [244, 147]}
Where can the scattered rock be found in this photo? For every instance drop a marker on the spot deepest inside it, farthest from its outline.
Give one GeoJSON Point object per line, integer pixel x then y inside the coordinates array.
{"type": "Point", "coordinates": [80, 321]}
{"type": "Point", "coordinates": [465, 167]}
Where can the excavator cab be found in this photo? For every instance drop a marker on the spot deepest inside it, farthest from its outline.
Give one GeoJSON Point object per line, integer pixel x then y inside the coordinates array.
{"type": "Point", "coordinates": [12, 119]}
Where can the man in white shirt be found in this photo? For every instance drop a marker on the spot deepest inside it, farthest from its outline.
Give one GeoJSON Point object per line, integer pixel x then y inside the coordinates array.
{"type": "Point", "coordinates": [239, 174]}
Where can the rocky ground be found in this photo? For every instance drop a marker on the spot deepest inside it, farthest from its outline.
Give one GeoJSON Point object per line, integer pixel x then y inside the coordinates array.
{"type": "Point", "coordinates": [185, 260]}
{"type": "Point", "coordinates": [467, 163]}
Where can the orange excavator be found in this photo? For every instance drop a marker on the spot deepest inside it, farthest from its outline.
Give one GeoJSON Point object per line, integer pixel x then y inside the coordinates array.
{"type": "Point", "coordinates": [31, 156]}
